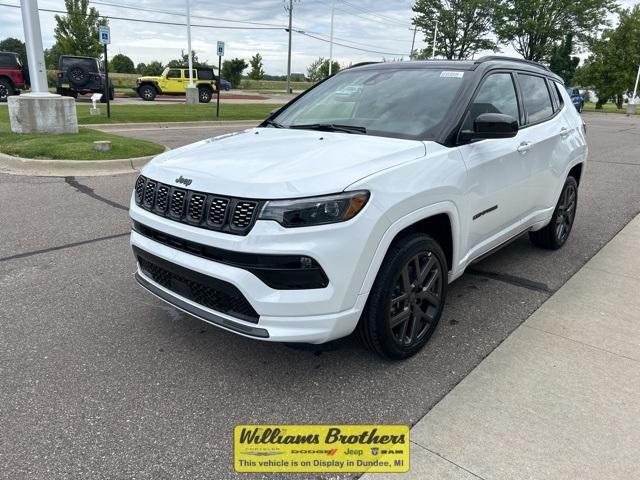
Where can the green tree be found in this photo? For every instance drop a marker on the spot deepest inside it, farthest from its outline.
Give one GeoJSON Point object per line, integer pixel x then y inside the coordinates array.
{"type": "Point", "coordinates": [319, 70]}
{"type": "Point", "coordinates": [121, 64]}
{"type": "Point", "coordinates": [562, 62]}
{"type": "Point", "coordinates": [14, 45]}
{"type": "Point", "coordinates": [183, 61]}
{"type": "Point", "coordinates": [257, 70]}
{"type": "Point", "coordinates": [76, 33]}
{"type": "Point", "coordinates": [612, 66]}
{"type": "Point", "coordinates": [154, 68]}
{"type": "Point", "coordinates": [232, 70]}
{"type": "Point", "coordinates": [52, 56]}
{"type": "Point", "coordinates": [534, 27]}
{"type": "Point", "coordinates": [464, 26]}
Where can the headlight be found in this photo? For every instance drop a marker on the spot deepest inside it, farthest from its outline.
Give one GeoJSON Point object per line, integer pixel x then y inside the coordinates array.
{"type": "Point", "coordinates": [305, 212]}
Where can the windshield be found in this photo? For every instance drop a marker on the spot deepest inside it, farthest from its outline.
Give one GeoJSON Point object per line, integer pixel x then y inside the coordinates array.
{"type": "Point", "coordinates": [400, 102]}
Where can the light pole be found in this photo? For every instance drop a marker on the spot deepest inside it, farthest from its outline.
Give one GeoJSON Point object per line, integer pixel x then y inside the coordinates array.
{"type": "Point", "coordinates": [39, 111]}
{"type": "Point", "coordinates": [189, 43]}
{"type": "Point", "coordinates": [191, 91]}
{"type": "Point", "coordinates": [333, 14]}
{"type": "Point", "coordinates": [290, 10]}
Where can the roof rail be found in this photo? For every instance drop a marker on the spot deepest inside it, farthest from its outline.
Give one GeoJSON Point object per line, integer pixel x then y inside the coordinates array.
{"type": "Point", "coordinates": [489, 58]}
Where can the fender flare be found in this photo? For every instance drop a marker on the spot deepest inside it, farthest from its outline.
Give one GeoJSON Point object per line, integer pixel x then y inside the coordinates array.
{"type": "Point", "coordinates": [444, 207]}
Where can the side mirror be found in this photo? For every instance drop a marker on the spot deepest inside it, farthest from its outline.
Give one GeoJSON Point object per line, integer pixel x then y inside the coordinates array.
{"type": "Point", "coordinates": [492, 125]}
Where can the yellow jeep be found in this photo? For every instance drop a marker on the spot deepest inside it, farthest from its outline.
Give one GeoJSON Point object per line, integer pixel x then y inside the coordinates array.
{"type": "Point", "coordinates": [174, 81]}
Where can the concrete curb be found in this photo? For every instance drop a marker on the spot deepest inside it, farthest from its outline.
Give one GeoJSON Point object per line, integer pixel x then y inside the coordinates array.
{"type": "Point", "coordinates": [65, 168]}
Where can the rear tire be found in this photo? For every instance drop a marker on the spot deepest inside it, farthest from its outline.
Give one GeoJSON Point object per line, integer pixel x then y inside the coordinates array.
{"type": "Point", "coordinates": [6, 89]}
{"type": "Point", "coordinates": [556, 233]}
{"type": "Point", "coordinates": [407, 298]}
{"type": "Point", "coordinates": [204, 95]}
{"type": "Point", "coordinates": [147, 92]}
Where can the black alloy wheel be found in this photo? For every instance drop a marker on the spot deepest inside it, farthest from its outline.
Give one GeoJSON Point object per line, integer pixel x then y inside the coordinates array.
{"type": "Point", "coordinates": [407, 298]}
{"type": "Point", "coordinates": [556, 233]}
{"type": "Point", "coordinates": [416, 299]}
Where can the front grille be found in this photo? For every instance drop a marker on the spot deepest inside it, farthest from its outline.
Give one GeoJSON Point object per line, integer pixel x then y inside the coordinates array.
{"type": "Point", "coordinates": [226, 214]}
{"type": "Point", "coordinates": [209, 292]}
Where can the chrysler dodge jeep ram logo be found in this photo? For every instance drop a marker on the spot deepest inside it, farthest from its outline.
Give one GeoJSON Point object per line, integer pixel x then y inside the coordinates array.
{"type": "Point", "coordinates": [185, 181]}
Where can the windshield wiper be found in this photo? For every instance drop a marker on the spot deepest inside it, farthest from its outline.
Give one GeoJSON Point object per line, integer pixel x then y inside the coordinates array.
{"type": "Point", "coordinates": [274, 124]}
{"type": "Point", "coordinates": [332, 127]}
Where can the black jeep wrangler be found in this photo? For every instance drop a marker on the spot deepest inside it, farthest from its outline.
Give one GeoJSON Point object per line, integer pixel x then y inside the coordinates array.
{"type": "Point", "coordinates": [81, 75]}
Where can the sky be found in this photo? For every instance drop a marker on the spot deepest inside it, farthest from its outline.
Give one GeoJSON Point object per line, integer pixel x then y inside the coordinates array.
{"type": "Point", "coordinates": [382, 28]}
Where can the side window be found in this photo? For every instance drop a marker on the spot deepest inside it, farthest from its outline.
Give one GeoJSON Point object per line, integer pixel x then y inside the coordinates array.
{"type": "Point", "coordinates": [496, 95]}
{"type": "Point", "coordinates": [5, 61]}
{"type": "Point", "coordinates": [173, 73]}
{"type": "Point", "coordinates": [558, 88]}
{"type": "Point", "coordinates": [535, 97]}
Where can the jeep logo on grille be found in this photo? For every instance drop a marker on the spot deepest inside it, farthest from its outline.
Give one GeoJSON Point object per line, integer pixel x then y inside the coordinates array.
{"type": "Point", "coordinates": [185, 181]}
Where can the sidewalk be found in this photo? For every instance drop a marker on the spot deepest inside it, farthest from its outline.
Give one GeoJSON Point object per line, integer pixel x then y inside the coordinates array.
{"type": "Point", "coordinates": [560, 397]}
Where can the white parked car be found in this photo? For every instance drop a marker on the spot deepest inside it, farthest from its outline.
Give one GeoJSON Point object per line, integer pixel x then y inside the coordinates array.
{"type": "Point", "coordinates": [334, 215]}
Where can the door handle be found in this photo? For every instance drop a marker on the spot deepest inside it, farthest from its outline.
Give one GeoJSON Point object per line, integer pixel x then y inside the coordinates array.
{"type": "Point", "coordinates": [564, 132]}
{"type": "Point", "coordinates": [524, 147]}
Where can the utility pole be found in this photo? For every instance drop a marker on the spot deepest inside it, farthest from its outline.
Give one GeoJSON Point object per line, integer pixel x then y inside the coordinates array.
{"type": "Point", "coordinates": [290, 10]}
{"type": "Point", "coordinates": [413, 42]}
{"type": "Point", "coordinates": [435, 34]}
{"type": "Point", "coordinates": [635, 89]}
{"type": "Point", "coordinates": [333, 14]}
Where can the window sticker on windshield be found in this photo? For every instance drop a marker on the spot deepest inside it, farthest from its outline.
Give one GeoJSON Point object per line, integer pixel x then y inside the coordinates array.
{"type": "Point", "coordinates": [451, 74]}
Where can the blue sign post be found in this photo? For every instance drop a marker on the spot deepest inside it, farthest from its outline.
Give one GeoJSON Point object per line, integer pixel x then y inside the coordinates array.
{"type": "Point", "coordinates": [104, 35]}
{"type": "Point", "coordinates": [220, 55]}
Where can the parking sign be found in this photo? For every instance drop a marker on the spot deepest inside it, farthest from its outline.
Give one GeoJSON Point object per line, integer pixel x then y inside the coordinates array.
{"type": "Point", "coordinates": [221, 49]}
{"type": "Point", "coordinates": [104, 34]}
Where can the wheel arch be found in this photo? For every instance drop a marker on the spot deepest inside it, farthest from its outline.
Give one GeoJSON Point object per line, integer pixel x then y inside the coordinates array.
{"type": "Point", "coordinates": [440, 221]}
{"type": "Point", "coordinates": [576, 172]}
{"type": "Point", "coordinates": [8, 79]}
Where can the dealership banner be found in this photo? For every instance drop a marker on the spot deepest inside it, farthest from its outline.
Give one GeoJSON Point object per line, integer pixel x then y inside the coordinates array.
{"type": "Point", "coordinates": [321, 448]}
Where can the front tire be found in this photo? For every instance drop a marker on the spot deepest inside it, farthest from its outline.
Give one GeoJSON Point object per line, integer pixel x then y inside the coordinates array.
{"type": "Point", "coordinates": [556, 233]}
{"type": "Point", "coordinates": [147, 93]}
{"type": "Point", "coordinates": [407, 298]}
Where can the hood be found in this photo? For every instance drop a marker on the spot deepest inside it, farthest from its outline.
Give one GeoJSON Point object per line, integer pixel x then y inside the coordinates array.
{"type": "Point", "coordinates": [270, 163]}
{"type": "Point", "coordinates": [148, 78]}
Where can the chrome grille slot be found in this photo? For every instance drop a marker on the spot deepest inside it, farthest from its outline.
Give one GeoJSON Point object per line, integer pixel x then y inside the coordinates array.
{"type": "Point", "coordinates": [196, 207]}
{"type": "Point", "coordinates": [177, 203]}
{"type": "Point", "coordinates": [204, 210]}
{"type": "Point", "coordinates": [243, 214]}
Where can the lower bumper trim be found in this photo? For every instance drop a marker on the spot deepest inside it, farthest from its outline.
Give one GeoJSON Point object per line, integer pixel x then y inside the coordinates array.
{"type": "Point", "coordinates": [201, 313]}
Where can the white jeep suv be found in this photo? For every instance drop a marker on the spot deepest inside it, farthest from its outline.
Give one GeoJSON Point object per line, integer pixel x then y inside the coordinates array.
{"type": "Point", "coordinates": [353, 207]}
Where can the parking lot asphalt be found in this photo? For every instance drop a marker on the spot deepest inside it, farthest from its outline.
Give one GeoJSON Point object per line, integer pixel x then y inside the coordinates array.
{"type": "Point", "coordinates": [100, 380]}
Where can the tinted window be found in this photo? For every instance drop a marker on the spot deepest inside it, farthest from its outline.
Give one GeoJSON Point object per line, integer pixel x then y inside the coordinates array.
{"type": "Point", "coordinates": [175, 73]}
{"type": "Point", "coordinates": [205, 74]}
{"type": "Point", "coordinates": [535, 97]}
{"type": "Point", "coordinates": [560, 98]}
{"type": "Point", "coordinates": [496, 95]}
{"type": "Point", "coordinates": [7, 60]}
{"type": "Point", "coordinates": [89, 64]}
{"type": "Point", "coordinates": [398, 102]}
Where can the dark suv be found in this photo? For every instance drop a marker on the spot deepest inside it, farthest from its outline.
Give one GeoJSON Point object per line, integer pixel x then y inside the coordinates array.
{"type": "Point", "coordinates": [81, 75]}
{"type": "Point", "coordinates": [13, 76]}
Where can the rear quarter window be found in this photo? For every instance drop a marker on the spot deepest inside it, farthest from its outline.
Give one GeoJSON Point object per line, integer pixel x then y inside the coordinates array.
{"type": "Point", "coordinates": [88, 63]}
{"type": "Point", "coordinates": [535, 97]}
{"type": "Point", "coordinates": [7, 61]}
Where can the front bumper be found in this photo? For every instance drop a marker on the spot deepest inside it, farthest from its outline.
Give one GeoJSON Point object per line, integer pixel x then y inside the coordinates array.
{"type": "Point", "coordinates": [307, 316]}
